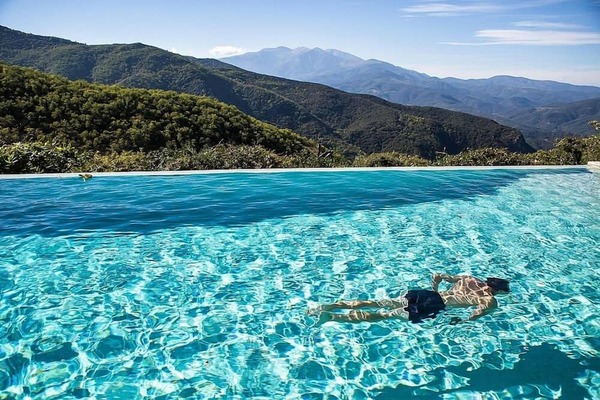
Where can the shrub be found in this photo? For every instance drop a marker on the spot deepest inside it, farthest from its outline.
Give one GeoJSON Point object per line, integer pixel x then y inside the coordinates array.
{"type": "Point", "coordinates": [591, 151]}
{"type": "Point", "coordinates": [389, 160]}
{"type": "Point", "coordinates": [37, 157]}
{"type": "Point", "coordinates": [569, 151]}
{"type": "Point", "coordinates": [483, 157]}
{"type": "Point", "coordinates": [237, 157]}
{"type": "Point", "coordinates": [117, 162]}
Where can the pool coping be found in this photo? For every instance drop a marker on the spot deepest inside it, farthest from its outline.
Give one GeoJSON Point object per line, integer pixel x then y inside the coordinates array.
{"type": "Point", "coordinates": [593, 166]}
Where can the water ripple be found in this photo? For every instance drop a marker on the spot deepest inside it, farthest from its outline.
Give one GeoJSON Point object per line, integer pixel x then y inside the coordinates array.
{"type": "Point", "coordinates": [95, 306]}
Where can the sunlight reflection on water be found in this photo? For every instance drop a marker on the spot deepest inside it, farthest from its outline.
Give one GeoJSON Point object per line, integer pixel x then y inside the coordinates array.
{"type": "Point", "coordinates": [199, 285]}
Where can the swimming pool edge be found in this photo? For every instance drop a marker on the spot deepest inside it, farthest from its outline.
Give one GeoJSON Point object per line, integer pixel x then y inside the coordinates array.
{"type": "Point", "coordinates": [590, 166]}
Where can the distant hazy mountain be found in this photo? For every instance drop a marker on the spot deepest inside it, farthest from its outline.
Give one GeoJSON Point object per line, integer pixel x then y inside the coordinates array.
{"type": "Point", "coordinates": [349, 121]}
{"type": "Point", "coordinates": [558, 120]}
{"type": "Point", "coordinates": [299, 64]}
{"type": "Point", "coordinates": [333, 66]}
{"type": "Point", "coordinates": [500, 98]}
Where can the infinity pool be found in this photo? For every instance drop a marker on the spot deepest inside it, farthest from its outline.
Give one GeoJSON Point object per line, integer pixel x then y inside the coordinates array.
{"type": "Point", "coordinates": [197, 286]}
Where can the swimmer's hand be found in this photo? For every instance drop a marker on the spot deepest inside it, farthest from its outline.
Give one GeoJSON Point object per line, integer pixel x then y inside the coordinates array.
{"type": "Point", "coordinates": [455, 320]}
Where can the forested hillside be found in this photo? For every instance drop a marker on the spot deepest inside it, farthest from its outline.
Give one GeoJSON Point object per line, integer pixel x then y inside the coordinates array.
{"type": "Point", "coordinates": [51, 124]}
{"type": "Point", "coordinates": [40, 108]}
{"type": "Point", "coordinates": [351, 123]}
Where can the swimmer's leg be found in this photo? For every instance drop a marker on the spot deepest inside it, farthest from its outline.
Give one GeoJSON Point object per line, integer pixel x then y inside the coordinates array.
{"type": "Point", "coordinates": [361, 316]}
{"type": "Point", "coordinates": [355, 304]}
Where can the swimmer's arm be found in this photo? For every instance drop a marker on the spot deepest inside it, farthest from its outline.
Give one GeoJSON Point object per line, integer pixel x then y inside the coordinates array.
{"type": "Point", "coordinates": [484, 308]}
{"type": "Point", "coordinates": [437, 278]}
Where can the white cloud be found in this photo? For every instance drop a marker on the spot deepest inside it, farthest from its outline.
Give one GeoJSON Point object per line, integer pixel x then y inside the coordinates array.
{"type": "Point", "coordinates": [546, 25]}
{"type": "Point", "coordinates": [226, 51]}
{"type": "Point", "coordinates": [458, 9]}
{"type": "Point", "coordinates": [539, 37]}
{"type": "Point", "coordinates": [532, 37]}
{"type": "Point", "coordinates": [446, 9]}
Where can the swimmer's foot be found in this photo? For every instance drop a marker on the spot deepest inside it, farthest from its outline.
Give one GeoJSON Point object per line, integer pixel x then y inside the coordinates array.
{"type": "Point", "coordinates": [321, 316]}
{"type": "Point", "coordinates": [321, 308]}
{"type": "Point", "coordinates": [324, 317]}
{"type": "Point", "coordinates": [314, 311]}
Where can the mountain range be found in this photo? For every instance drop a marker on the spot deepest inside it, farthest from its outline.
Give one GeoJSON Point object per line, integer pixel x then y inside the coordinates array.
{"type": "Point", "coordinates": [352, 123]}
{"type": "Point", "coordinates": [542, 110]}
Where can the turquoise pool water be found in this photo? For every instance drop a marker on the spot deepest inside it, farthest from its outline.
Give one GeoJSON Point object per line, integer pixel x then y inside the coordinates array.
{"type": "Point", "coordinates": [197, 286]}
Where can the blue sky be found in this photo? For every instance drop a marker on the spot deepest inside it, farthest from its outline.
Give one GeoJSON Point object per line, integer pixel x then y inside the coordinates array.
{"type": "Point", "coordinates": [539, 39]}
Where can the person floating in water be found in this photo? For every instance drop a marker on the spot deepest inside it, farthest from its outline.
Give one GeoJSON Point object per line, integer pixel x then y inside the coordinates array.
{"type": "Point", "coordinates": [417, 305]}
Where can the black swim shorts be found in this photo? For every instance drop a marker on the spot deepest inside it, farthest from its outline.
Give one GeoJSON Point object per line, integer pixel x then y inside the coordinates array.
{"type": "Point", "coordinates": [423, 304]}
